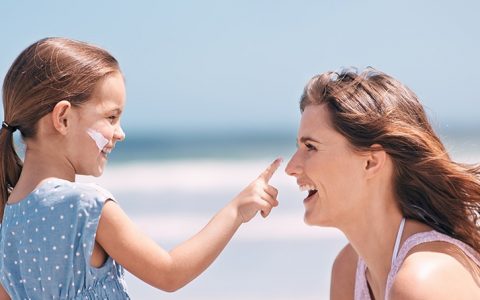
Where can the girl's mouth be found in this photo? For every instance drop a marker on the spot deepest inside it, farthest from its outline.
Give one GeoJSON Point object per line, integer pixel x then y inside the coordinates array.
{"type": "Point", "coordinates": [106, 152]}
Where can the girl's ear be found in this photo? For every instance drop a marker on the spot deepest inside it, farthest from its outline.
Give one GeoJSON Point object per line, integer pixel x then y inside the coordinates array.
{"type": "Point", "coordinates": [375, 160]}
{"type": "Point", "coordinates": [60, 116]}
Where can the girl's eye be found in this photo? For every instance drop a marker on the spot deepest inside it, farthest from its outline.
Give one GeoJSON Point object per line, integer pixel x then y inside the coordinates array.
{"type": "Point", "coordinates": [112, 118]}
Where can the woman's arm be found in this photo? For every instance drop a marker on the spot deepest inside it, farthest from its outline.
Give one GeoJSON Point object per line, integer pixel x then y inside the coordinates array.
{"type": "Point", "coordinates": [169, 271]}
{"type": "Point", "coordinates": [3, 294]}
{"type": "Point", "coordinates": [342, 284]}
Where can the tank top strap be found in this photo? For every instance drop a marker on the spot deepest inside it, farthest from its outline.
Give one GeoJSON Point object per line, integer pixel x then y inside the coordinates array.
{"type": "Point", "coordinates": [361, 291]}
{"type": "Point", "coordinates": [397, 240]}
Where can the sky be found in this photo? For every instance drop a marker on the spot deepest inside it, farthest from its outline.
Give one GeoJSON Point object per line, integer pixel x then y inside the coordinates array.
{"type": "Point", "coordinates": [223, 66]}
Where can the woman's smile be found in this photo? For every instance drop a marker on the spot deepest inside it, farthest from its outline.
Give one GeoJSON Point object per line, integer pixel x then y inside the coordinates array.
{"type": "Point", "coordinates": [311, 195]}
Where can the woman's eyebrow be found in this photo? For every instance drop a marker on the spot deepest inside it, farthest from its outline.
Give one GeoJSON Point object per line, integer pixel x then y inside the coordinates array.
{"type": "Point", "coordinates": [305, 139]}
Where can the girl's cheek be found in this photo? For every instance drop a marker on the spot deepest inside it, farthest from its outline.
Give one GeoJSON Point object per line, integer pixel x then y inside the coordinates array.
{"type": "Point", "coordinates": [98, 138]}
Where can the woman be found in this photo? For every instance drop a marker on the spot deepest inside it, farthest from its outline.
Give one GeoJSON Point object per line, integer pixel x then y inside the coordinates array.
{"type": "Point", "coordinates": [375, 169]}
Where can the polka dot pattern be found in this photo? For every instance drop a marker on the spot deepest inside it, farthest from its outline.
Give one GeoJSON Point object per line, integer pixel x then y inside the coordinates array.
{"type": "Point", "coordinates": [46, 241]}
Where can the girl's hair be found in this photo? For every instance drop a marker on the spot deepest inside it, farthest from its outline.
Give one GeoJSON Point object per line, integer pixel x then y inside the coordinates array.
{"type": "Point", "coordinates": [373, 108]}
{"type": "Point", "coordinates": [45, 73]}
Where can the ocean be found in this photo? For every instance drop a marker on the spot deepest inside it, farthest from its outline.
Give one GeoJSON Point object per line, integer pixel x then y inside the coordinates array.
{"type": "Point", "coordinates": [171, 185]}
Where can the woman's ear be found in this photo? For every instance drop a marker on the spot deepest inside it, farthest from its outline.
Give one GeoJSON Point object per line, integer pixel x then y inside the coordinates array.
{"type": "Point", "coordinates": [375, 161]}
{"type": "Point", "coordinates": [60, 116]}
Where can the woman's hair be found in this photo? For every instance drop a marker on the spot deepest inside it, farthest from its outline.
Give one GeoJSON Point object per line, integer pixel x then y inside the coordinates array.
{"type": "Point", "coordinates": [45, 73]}
{"type": "Point", "coordinates": [373, 108]}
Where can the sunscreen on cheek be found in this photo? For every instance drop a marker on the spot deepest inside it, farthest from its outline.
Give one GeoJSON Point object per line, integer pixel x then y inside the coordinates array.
{"type": "Point", "coordinates": [98, 138]}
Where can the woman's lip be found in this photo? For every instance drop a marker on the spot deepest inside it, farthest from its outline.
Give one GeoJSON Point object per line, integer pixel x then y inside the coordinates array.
{"type": "Point", "coordinates": [310, 196]}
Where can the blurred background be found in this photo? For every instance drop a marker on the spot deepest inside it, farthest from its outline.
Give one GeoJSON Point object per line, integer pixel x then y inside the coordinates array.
{"type": "Point", "coordinates": [212, 97]}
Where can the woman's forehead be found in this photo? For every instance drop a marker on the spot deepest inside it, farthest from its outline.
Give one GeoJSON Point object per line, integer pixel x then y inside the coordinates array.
{"type": "Point", "coordinates": [315, 117]}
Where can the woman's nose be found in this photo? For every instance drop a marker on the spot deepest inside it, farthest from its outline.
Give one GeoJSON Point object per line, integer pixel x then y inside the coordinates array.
{"type": "Point", "coordinates": [293, 167]}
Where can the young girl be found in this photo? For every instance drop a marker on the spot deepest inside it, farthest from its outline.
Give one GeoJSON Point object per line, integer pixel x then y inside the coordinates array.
{"type": "Point", "coordinates": [61, 239]}
{"type": "Point", "coordinates": [375, 169]}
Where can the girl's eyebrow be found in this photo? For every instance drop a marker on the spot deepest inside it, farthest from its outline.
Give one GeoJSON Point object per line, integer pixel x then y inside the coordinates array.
{"type": "Point", "coordinates": [116, 111]}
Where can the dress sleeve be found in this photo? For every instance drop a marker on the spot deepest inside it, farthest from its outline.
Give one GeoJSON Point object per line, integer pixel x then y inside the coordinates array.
{"type": "Point", "coordinates": [89, 213]}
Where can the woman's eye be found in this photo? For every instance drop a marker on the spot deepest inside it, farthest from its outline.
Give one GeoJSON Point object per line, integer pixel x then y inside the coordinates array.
{"type": "Point", "coordinates": [310, 147]}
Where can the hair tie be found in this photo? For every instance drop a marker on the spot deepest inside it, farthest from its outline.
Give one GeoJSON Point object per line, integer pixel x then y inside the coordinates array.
{"type": "Point", "coordinates": [8, 127]}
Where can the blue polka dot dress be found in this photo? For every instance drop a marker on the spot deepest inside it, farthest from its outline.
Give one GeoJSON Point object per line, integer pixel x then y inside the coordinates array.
{"type": "Point", "coordinates": [46, 242]}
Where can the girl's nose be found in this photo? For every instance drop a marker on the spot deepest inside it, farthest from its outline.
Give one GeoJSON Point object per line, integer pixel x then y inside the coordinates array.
{"type": "Point", "coordinates": [119, 134]}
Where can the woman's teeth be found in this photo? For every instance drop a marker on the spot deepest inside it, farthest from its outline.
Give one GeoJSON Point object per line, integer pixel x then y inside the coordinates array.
{"type": "Point", "coordinates": [309, 188]}
{"type": "Point", "coordinates": [306, 187]}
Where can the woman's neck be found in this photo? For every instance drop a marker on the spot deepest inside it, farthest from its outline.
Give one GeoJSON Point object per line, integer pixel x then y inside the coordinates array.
{"type": "Point", "coordinates": [373, 237]}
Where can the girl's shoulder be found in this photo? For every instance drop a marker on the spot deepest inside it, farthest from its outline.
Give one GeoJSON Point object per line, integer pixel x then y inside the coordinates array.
{"type": "Point", "coordinates": [55, 192]}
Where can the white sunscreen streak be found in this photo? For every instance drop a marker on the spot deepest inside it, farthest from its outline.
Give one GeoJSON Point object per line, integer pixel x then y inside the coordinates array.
{"type": "Point", "coordinates": [99, 139]}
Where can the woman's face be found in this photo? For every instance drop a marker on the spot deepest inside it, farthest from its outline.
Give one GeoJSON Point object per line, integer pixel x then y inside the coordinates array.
{"type": "Point", "coordinates": [326, 166]}
{"type": "Point", "coordinates": [98, 126]}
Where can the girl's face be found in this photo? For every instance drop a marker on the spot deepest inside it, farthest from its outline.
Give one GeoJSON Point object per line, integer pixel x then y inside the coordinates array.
{"type": "Point", "coordinates": [97, 127]}
{"type": "Point", "coordinates": [326, 166]}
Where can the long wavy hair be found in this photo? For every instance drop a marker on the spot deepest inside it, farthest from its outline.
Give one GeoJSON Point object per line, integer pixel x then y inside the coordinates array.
{"type": "Point", "coordinates": [46, 72]}
{"type": "Point", "coordinates": [370, 108]}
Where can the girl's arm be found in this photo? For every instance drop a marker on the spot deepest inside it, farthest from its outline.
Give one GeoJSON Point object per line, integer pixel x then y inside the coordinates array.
{"type": "Point", "coordinates": [169, 271]}
{"type": "Point", "coordinates": [3, 294]}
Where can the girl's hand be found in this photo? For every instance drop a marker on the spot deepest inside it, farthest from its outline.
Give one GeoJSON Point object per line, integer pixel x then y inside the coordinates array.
{"type": "Point", "coordinates": [258, 195]}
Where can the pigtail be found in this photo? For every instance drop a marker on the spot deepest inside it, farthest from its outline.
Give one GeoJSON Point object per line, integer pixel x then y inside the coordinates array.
{"type": "Point", "coordinates": [10, 167]}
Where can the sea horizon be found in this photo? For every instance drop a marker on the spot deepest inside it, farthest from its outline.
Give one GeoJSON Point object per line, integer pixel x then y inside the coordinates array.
{"type": "Point", "coordinates": [237, 144]}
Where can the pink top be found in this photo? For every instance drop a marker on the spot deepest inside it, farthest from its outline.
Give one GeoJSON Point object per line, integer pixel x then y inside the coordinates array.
{"type": "Point", "coordinates": [361, 287]}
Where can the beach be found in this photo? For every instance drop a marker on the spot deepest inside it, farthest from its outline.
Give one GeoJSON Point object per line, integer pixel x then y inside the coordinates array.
{"type": "Point", "coordinates": [172, 197]}
{"type": "Point", "coordinates": [275, 258]}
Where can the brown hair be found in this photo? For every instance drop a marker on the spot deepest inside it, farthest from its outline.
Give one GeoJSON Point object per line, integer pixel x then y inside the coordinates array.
{"type": "Point", "coordinates": [48, 71]}
{"type": "Point", "coordinates": [374, 108]}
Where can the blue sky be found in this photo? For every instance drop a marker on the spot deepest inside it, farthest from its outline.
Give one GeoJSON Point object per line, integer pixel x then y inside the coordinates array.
{"type": "Point", "coordinates": [242, 65]}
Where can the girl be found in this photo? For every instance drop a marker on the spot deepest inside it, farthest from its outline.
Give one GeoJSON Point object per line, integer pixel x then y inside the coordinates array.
{"type": "Point", "coordinates": [374, 168]}
{"type": "Point", "coordinates": [61, 239]}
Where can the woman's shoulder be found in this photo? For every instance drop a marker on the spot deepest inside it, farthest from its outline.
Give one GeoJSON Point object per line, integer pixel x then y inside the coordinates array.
{"type": "Point", "coordinates": [436, 270]}
{"type": "Point", "coordinates": [343, 274]}
{"type": "Point", "coordinates": [346, 260]}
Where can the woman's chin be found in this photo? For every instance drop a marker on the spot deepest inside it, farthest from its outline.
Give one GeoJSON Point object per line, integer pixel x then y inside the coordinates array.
{"type": "Point", "coordinates": [309, 220]}
{"type": "Point", "coordinates": [315, 220]}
